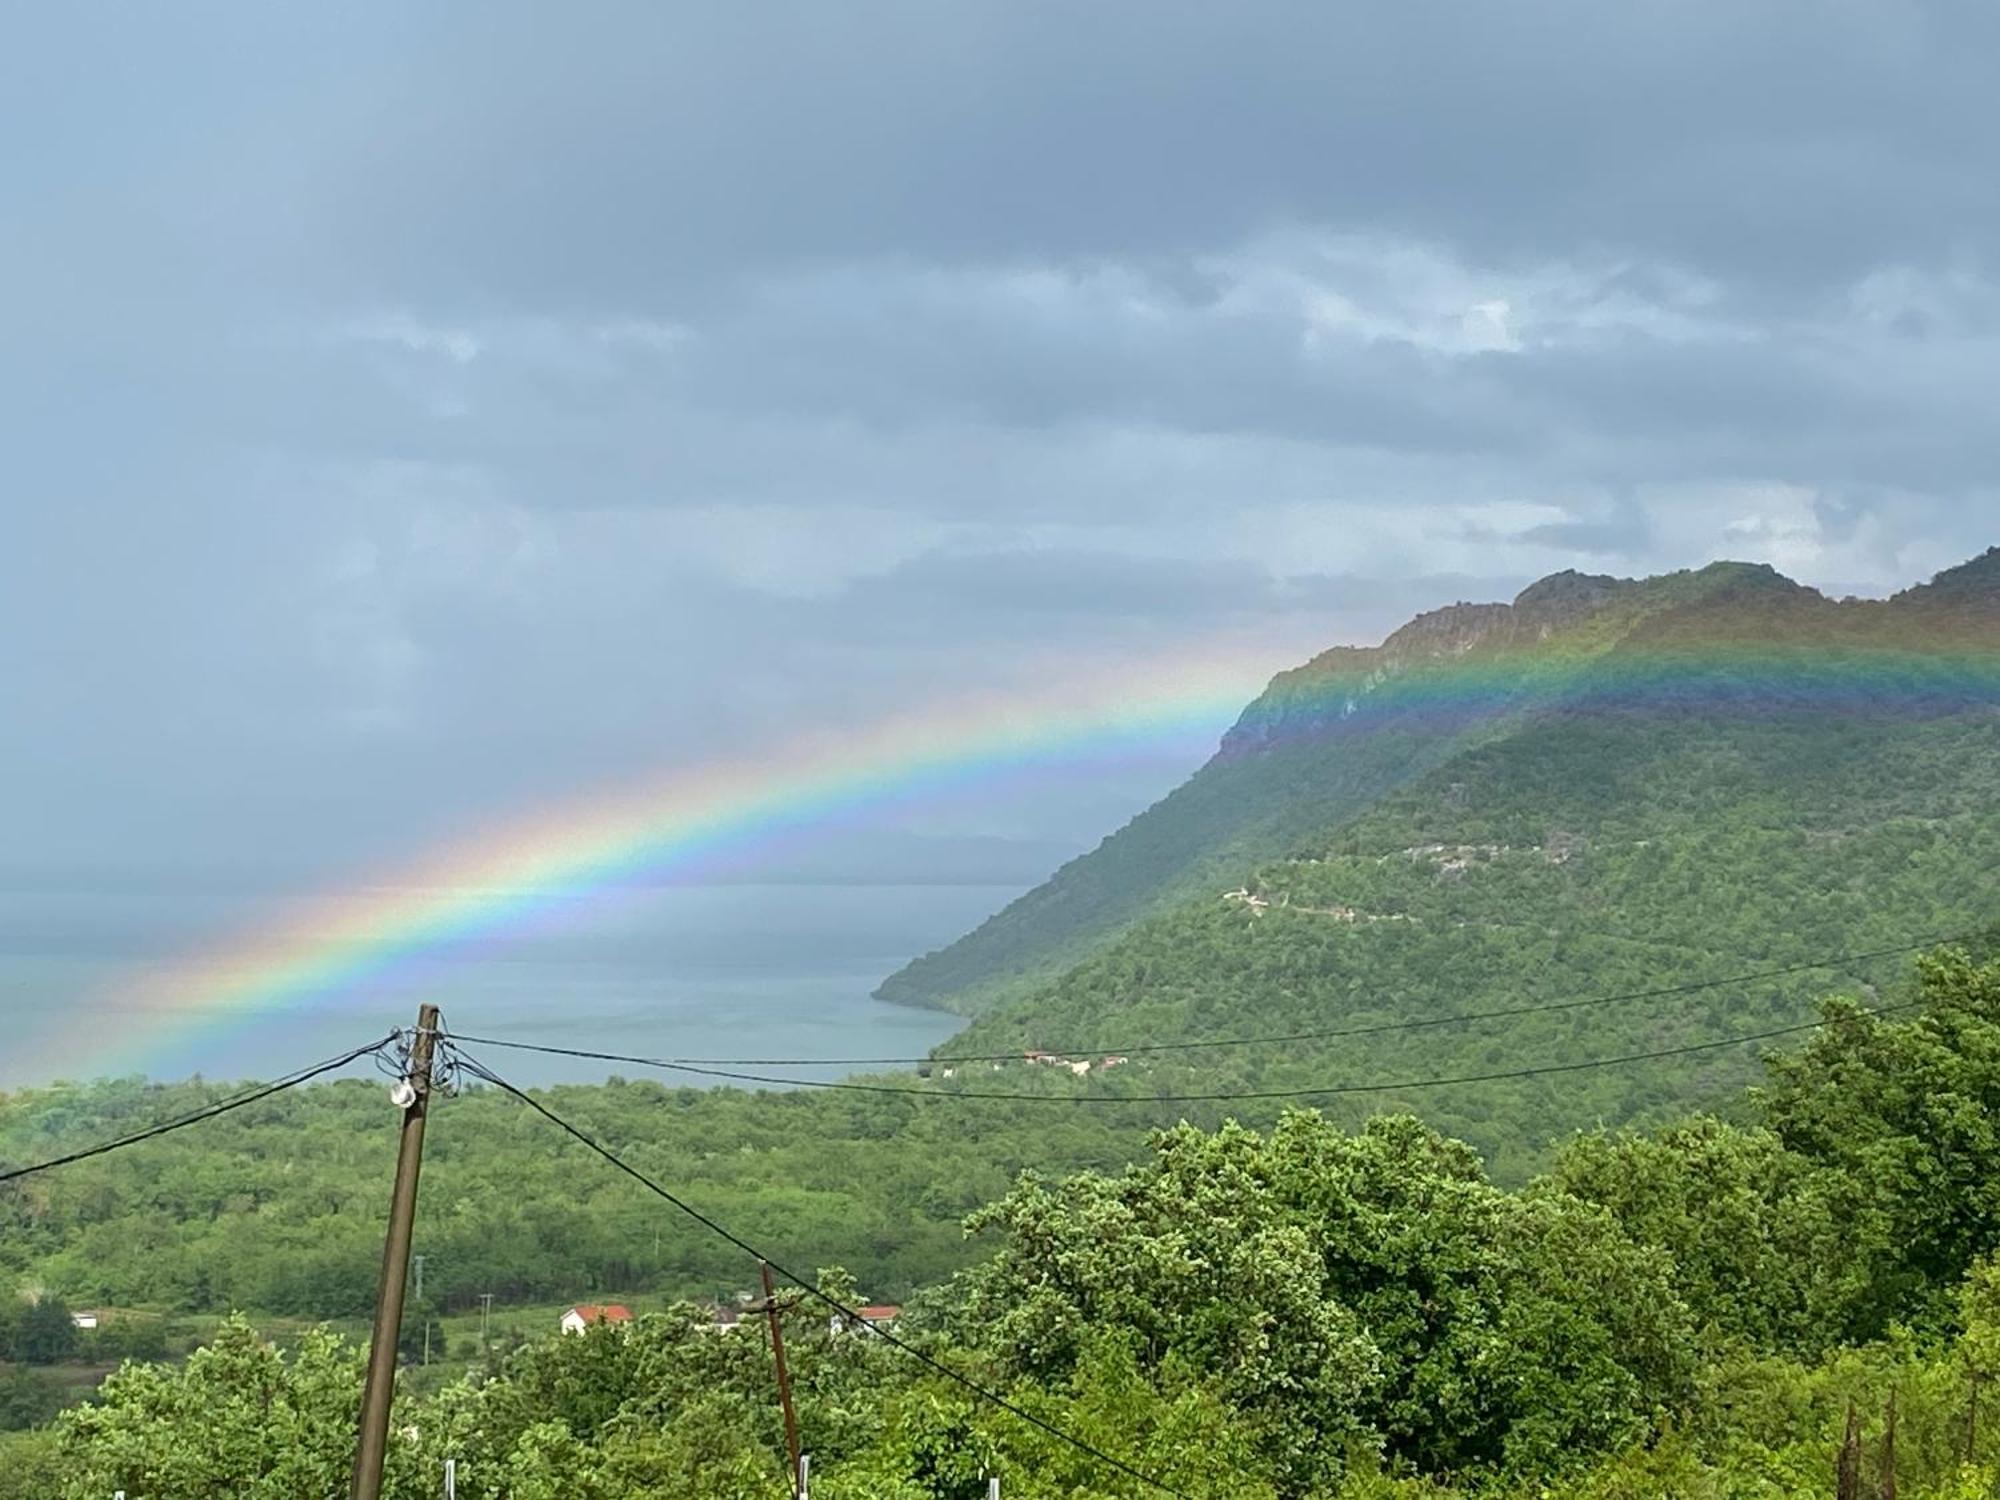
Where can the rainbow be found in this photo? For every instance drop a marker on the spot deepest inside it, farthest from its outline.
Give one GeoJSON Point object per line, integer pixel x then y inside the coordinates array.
{"type": "Point", "coordinates": [547, 866]}
{"type": "Point", "coordinates": [540, 868]}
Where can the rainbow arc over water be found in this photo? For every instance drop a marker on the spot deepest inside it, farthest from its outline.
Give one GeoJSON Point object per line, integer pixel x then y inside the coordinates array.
{"type": "Point", "coordinates": [561, 860]}
{"type": "Point", "coordinates": [537, 867]}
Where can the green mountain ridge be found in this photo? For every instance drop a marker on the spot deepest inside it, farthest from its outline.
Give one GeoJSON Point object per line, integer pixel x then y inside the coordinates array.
{"type": "Point", "coordinates": [1325, 741]}
{"type": "Point", "coordinates": [1604, 788]}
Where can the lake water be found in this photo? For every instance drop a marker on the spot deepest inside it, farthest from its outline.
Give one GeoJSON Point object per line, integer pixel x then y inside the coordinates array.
{"type": "Point", "coordinates": [722, 971]}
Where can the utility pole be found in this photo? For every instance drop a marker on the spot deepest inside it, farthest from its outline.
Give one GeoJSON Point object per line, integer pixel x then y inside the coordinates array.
{"type": "Point", "coordinates": [413, 1093]}
{"type": "Point", "coordinates": [485, 1316]}
{"type": "Point", "coordinates": [1972, 1417]}
{"type": "Point", "coordinates": [419, 1261]}
{"type": "Point", "coordinates": [1888, 1491]}
{"type": "Point", "coordinates": [1847, 1468]}
{"type": "Point", "coordinates": [784, 1382]}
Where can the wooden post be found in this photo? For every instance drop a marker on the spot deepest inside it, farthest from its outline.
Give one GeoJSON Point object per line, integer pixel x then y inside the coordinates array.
{"type": "Point", "coordinates": [784, 1382]}
{"type": "Point", "coordinates": [1888, 1491]}
{"type": "Point", "coordinates": [1847, 1468]}
{"type": "Point", "coordinates": [1972, 1417]}
{"type": "Point", "coordinates": [381, 1385]}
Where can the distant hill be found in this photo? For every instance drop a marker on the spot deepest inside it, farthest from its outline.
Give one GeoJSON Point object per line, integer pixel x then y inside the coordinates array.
{"type": "Point", "coordinates": [1329, 739]}
{"type": "Point", "coordinates": [1605, 785]}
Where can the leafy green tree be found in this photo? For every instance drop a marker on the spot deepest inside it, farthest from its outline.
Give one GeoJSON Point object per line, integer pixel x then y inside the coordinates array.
{"type": "Point", "coordinates": [1902, 1120]}
{"type": "Point", "coordinates": [30, 1466]}
{"type": "Point", "coordinates": [39, 1331]}
{"type": "Point", "coordinates": [1341, 1289]}
{"type": "Point", "coordinates": [240, 1418]}
{"type": "Point", "coordinates": [27, 1399]}
{"type": "Point", "coordinates": [1753, 1233]}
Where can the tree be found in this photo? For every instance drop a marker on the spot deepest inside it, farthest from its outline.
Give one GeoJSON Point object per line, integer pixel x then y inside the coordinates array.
{"type": "Point", "coordinates": [27, 1399]}
{"type": "Point", "coordinates": [1343, 1290]}
{"type": "Point", "coordinates": [1901, 1119]}
{"type": "Point", "coordinates": [30, 1466]}
{"type": "Point", "coordinates": [239, 1418]}
{"type": "Point", "coordinates": [38, 1332]}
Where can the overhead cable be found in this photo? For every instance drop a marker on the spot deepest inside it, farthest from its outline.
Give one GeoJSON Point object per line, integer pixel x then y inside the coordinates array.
{"type": "Point", "coordinates": [1378, 1028]}
{"type": "Point", "coordinates": [473, 1066]}
{"type": "Point", "coordinates": [1307, 1091]}
{"type": "Point", "coordinates": [207, 1112]}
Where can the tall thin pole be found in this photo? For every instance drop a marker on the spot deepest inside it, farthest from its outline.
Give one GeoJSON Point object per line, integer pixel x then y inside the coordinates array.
{"type": "Point", "coordinates": [1972, 1418]}
{"type": "Point", "coordinates": [784, 1380]}
{"type": "Point", "coordinates": [381, 1386]}
{"type": "Point", "coordinates": [1847, 1468]}
{"type": "Point", "coordinates": [1888, 1491]}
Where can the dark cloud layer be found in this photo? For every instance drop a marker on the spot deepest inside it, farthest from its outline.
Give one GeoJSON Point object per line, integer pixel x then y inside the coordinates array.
{"type": "Point", "coordinates": [416, 412]}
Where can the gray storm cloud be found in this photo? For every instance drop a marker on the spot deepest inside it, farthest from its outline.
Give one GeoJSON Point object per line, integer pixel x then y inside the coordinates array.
{"type": "Point", "coordinates": [414, 415]}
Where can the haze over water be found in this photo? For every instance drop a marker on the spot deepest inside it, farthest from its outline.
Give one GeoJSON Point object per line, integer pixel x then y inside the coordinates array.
{"type": "Point", "coordinates": [722, 970]}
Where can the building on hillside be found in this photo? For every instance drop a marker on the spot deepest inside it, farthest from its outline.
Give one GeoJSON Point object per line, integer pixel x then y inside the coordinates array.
{"type": "Point", "coordinates": [85, 1321]}
{"type": "Point", "coordinates": [584, 1314]}
{"type": "Point", "coordinates": [722, 1318]}
{"type": "Point", "coordinates": [875, 1317]}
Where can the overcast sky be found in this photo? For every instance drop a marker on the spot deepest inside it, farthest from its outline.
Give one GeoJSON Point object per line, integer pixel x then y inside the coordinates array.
{"type": "Point", "coordinates": [416, 412]}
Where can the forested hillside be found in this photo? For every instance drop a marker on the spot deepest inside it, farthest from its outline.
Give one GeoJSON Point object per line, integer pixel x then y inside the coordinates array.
{"type": "Point", "coordinates": [1327, 745]}
{"type": "Point", "coordinates": [1415, 1154]}
{"type": "Point", "coordinates": [1300, 752]}
{"type": "Point", "coordinates": [1711, 1310]}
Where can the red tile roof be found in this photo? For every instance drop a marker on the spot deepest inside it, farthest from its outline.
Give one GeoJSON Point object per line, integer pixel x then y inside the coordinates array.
{"type": "Point", "coordinates": [610, 1312]}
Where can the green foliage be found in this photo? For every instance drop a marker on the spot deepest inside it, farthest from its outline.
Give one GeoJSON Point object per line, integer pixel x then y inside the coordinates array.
{"type": "Point", "coordinates": [1279, 1314]}
{"type": "Point", "coordinates": [28, 1398]}
{"type": "Point", "coordinates": [239, 1418]}
{"type": "Point", "coordinates": [1337, 1290]}
{"type": "Point", "coordinates": [1634, 1300]}
{"type": "Point", "coordinates": [1577, 858]}
{"type": "Point", "coordinates": [1422, 719]}
{"type": "Point", "coordinates": [278, 1207]}
{"type": "Point", "coordinates": [29, 1466]}
{"type": "Point", "coordinates": [36, 1331]}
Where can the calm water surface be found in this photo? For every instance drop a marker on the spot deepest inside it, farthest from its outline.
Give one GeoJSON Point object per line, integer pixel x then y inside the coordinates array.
{"type": "Point", "coordinates": [743, 970]}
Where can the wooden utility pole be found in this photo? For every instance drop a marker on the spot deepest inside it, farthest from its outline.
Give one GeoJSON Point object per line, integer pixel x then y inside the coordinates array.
{"type": "Point", "coordinates": [413, 1092]}
{"type": "Point", "coordinates": [784, 1380]}
{"type": "Point", "coordinates": [1888, 1491]}
{"type": "Point", "coordinates": [1847, 1469]}
{"type": "Point", "coordinates": [1972, 1416]}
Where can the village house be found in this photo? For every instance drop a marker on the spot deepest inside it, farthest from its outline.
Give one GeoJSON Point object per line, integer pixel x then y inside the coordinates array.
{"type": "Point", "coordinates": [876, 1317]}
{"type": "Point", "coordinates": [578, 1319]}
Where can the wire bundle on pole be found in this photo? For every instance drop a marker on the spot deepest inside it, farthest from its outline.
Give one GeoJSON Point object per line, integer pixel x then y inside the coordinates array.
{"type": "Point", "coordinates": [221, 1106]}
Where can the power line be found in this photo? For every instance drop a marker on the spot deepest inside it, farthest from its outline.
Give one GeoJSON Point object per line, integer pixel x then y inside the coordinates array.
{"type": "Point", "coordinates": [1230, 1097]}
{"type": "Point", "coordinates": [207, 1112]}
{"type": "Point", "coordinates": [1459, 1018]}
{"type": "Point", "coordinates": [479, 1069]}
